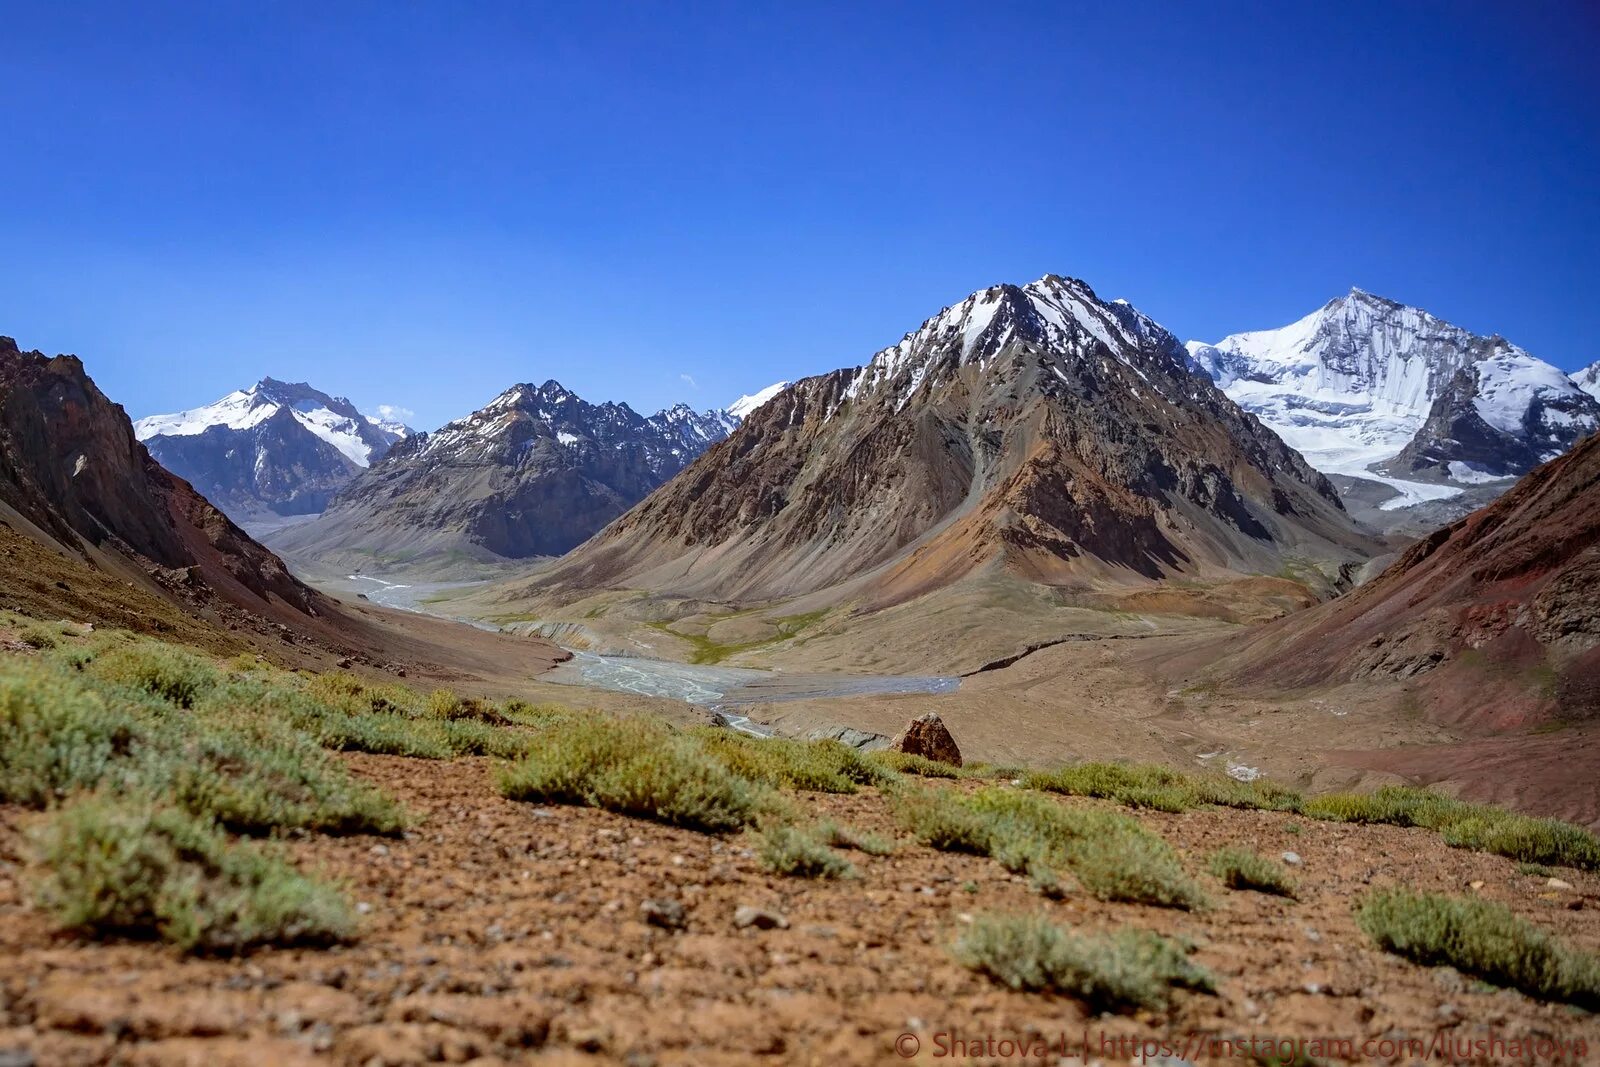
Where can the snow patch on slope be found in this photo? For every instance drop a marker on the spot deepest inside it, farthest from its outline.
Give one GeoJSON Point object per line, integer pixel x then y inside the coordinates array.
{"type": "Point", "coordinates": [742, 408]}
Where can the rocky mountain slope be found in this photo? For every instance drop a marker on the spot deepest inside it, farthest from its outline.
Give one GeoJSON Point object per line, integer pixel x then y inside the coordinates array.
{"type": "Point", "coordinates": [1373, 389]}
{"type": "Point", "coordinates": [1493, 621]}
{"type": "Point", "coordinates": [1035, 428]}
{"type": "Point", "coordinates": [73, 477]}
{"type": "Point", "coordinates": [275, 449]}
{"type": "Point", "coordinates": [534, 472]}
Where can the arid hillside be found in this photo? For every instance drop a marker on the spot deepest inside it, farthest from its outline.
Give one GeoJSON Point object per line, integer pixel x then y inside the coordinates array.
{"type": "Point", "coordinates": [453, 879]}
{"type": "Point", "coordinates": [1493, 621]}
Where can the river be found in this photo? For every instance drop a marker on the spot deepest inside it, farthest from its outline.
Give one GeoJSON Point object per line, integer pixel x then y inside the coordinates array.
{"type": "Point", "coordinates": [722, 689]}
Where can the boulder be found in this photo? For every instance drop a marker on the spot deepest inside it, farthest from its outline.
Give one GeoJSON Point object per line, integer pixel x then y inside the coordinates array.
{"type": "Point", "coordinates": [928, 737]}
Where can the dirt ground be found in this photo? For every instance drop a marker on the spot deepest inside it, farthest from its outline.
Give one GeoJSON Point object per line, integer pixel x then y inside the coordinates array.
{"type": "Point", "coordinates": [501, 932]}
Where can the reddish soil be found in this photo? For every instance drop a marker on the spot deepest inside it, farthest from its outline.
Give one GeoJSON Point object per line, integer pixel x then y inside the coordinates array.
{"type": "Point", "coordinates": [503, 932]}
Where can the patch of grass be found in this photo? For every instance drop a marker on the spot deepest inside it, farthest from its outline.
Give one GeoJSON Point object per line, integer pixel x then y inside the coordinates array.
{"type": "Point", "coordinates": [1123, 972]}
{"type": "Point", "coordinates": [1111, 855]}
{"type": "Point", "coordinates": [814, 766]}
{"type": "Point", "coordinates": [56, 736]}
{"type": "Point", "coordinates": [1535, 870]}
{"type": "Point", "coordinates": [1463, 825]}
{"type": "Point", "coordinates": [1159, 788]}
{"type": "Point", "coordinates": [173, 674]}
{"type": "Point", "coordinates": [786, 850]}
{"type": "Point", "coordinates": [1483, 939]}
{"type": "Point", "coordinates": [837, 835]}
{"type": "Point", "coordinates": [1239, 868]}
{"type": "Point", "coordinates": [132, 868]}
{"type": "Point", "coordinates": [990, 772]}
{"type": "Point", "coordinates": [907, 763]}
{"type": "Point", "coordinates": [635, 766]}
{"type": "Point", "coordinates": [62, 731]}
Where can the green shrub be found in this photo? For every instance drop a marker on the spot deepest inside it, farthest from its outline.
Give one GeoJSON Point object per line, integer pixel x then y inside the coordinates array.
{"type": "Point", "coordinates": [1111, 855]}
{"type": "Point", "coordinates": [789, 851]}
{"type": "Point", "coordinates": [1473, 826]}
{"type": "Point", "coordinates": [166, 671]}
{"type": "Point", "coordinates": [1159, 788]}
{"type": "Point", "coordinates": [814, 766]}
{"type": "Point", "coordinates": [255, 776]}
{"type": "Point", "coordinates": [230, 757]}
{"type": "Point", "coordinates": [907, 763]}
{"type": "Point", "coordinates": [1239, 868]}
{"type": "Point", "coordinates": [1129, 970]}
{"type": "Point", "coordinates": [634, 766]}
{"type": "Point", "coordinates": [57, 736]}
{"type": "Point", "coordinates": [1483, 939]}
{"type": "Point", "coordinates": [836, 835]}
{"type": "Point", "coordinates": [131, 868]}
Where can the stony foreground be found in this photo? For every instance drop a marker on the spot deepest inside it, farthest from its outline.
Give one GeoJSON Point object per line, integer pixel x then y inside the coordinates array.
{"type": "Point", "coordinates": [503, 932]}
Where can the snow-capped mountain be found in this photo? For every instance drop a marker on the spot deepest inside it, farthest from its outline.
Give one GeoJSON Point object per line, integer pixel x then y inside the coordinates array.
{"type": "Point", "coordinates": [1033, 430]}
{"type": "Point", "coordinates": [1373, 389]}
{"type": "Point", "coordinates": [740, 409]}
{"type": "Point", "coordinates": [1588, 379]}
{"type": "Point", "coordinates": [533, 472]}
{"type": "Point", "coordinates": [277, 448]}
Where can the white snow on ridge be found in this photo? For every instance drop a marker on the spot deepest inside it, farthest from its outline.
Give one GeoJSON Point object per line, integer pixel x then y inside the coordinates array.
{"type": "Point", "coordinates": [237, 411]}
{"type": "Point", "coordinates": [1588, 379]}
{"type": "Point", "coordinates": [1509, 381]}
{"type": "Point", "coordinates": [741, 408]}
{"type": "Point", "coordinates": [245, 409]}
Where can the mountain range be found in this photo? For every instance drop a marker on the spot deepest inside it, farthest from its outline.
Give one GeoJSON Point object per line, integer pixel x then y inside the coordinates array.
{"type": "Point", "coordinates": [1033, 430]}
{"type": "Point", "coordinates": [1376, 390]}
{"type": "Point", "coordinates": [533, 473]}
{"type": "Point", "coordinates": [276, 449]}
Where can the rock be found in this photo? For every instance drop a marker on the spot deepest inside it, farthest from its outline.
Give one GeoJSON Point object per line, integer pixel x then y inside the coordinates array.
{"type": "Point", "coordinates": [1556, 883]}
{"type": "Point", "coordinates": [762, 920]}
{"type": "Point", "coordinates": [1292, 858]}
{"type": "Point", "coordinates": [16, 1057]}
{"type": "Point", "coordinates": [665, 913]}
{"type": "Point", "coordinates": [927, 736]}
{"type": "Point", "coordinates": [861, 739]}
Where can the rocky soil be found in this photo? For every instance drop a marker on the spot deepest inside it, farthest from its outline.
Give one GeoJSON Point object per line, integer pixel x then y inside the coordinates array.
{"type": "Point", "coordinates": [499, 932]}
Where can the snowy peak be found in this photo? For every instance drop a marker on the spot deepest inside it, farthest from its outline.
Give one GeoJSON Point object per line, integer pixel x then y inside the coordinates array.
{"type": "Point", "coordinates": [332, 419]}
{"type": "Point", "coordinates": [274, 449]}
{"type": "Point", "coordinates": [1353, 385]}
{"type": "Point", "coordinates": [1060, 318]}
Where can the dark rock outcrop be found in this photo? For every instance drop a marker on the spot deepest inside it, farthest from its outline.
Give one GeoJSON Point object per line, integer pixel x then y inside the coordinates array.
{"type": "Point", "coordinates": [928, 737]}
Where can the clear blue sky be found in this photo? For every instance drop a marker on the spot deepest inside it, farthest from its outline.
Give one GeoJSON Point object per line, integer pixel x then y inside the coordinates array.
{"type": "Point", "coordinates": [420, 203]}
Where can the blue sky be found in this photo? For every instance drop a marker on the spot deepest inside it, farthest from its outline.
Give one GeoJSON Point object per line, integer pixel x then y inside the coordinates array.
{"type": "Point", "coordinates": [418, 204]}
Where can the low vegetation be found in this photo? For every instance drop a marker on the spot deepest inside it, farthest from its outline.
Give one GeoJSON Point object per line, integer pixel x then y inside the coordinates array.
{"type": "Point", "coordinates": [790, 851]}
{"type": "Point", "coordinates": [835, 835]}
{"type": "Point", "coordinates": [1473, 826]}
{"type": "Point", "coordinates": [813, 766]}
{"type": "Point", "coordinates": [1160, 788]}
{"type": "Point", "coordinates": [635, 766]}
{"type": "Point", "coordinates": [1123, 972]}
{"type": "Point", "coordinates": [907, 763]}
{"type": "Point", "coordinates": [1239, 868]}
{"type": "Point", "coordinates": [1112, 856]}
{"type": "Point", "coordinates": [1479, 827]}
{"type": "Point", "coordinates": [130, 867]}
{"type": "Point", "coordinates": [1483, 939]}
